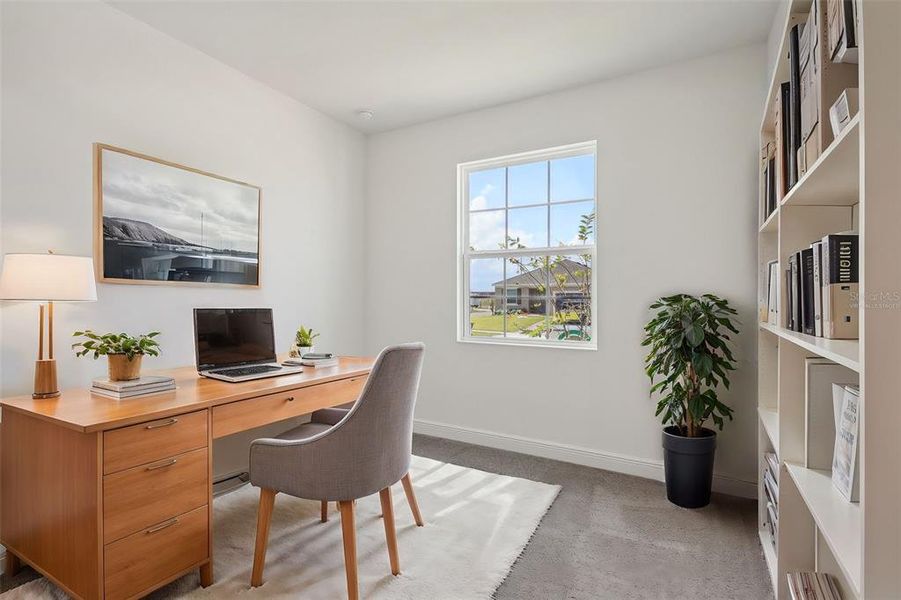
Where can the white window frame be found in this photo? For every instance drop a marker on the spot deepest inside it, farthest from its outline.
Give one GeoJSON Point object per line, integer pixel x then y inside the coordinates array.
{"type": "Point", "coordinates": [464, 254]}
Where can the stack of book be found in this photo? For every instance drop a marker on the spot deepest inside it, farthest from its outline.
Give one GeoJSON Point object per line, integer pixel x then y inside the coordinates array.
{"type": "Point", "coordinates": [310, 359]}
{"type": "Point", "coordinates": [771, 489]}
{"type": "Point", "coordinates": [821, 288]}
{"type": "Point", "coordinates": [812, 586]}
{"type": "Point", "coordinates": [149, 384]}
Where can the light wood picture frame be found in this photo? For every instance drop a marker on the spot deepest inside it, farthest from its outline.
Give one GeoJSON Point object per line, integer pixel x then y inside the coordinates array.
{"type": "Point", "coordinates": [157, 222]}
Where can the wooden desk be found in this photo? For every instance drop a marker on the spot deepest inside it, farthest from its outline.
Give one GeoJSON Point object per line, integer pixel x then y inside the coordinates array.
{"type": "Point", "coordinates": [113, 498]}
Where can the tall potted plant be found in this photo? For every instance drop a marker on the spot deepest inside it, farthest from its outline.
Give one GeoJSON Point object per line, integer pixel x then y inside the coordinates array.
{"type": "Point", "coordinates": [689, 356]}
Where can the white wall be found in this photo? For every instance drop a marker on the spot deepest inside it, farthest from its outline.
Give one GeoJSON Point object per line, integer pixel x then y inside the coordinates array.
{"type": "Point", "coordinates": [676, 212]}
{"type": "Point", "coordinates": [78, 73]}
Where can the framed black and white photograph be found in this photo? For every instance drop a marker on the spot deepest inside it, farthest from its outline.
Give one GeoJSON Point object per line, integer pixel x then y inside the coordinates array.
{"type": "Point", "coordinates": [157, 222]}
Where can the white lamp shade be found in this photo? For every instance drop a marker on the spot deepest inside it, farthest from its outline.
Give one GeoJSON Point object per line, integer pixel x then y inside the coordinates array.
{"type": "Point", "coordinates": [47, 277]}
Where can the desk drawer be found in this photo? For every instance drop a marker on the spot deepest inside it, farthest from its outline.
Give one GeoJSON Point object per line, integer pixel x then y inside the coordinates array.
{"type": "Point", "coordinates": [143, 496]}
{"type": "Point", "coordinates": [153, 440]}
{"type": "Point", "coordinates": [151, 556]}
{"type": "Point", "coordinates": [254, 412]}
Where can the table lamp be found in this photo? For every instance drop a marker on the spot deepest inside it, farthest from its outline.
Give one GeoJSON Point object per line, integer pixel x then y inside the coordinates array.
{"type": "Point", "coordinates": [47, 278]}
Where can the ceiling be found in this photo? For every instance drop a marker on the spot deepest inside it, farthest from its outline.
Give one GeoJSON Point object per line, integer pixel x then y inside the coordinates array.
{"type": "Point", "coordinates": [410, 62]}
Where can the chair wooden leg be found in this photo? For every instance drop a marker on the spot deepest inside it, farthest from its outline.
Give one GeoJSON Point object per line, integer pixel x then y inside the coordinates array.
{"type": "Point", "coordinates": [411, 499]}
{"type": "Point", "coordinates": [264, 518]}
{"type": "Point", "coordinates": [390, 532]}
{"type": "Point", "coordinates": [324, 511]}
{"type": "Point", "coordinates": [349, 531]}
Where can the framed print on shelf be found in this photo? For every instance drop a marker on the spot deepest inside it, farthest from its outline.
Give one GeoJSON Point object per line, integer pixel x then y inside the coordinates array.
{"type": "Point", "coordinates": [158, 222]}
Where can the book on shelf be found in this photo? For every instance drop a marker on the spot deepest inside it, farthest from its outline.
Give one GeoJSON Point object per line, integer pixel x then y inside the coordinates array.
{"type": "Point", "coordinates": [768, 200]}
{"type": "Point", "coordinates": [817, 248]}
{"type": "Point", "coordinates": [820, 377]}
{"type": "Point", "coordinates": [772, 522]}
{"type": "Point", "coordinates": [846, 461]}
{"type": "Point", "coordinates": [783, 136]}
{"type": "Point", "coordinates": [809, 71]}
{"type": "Point", "coordinates": [812, 585]}
{"type": "Point", "coordinates": [772, 293]}
{"type": "Point", "coordinates": [840, 285]}
{"type": "Point", "coordinates": [794, 142]}
{"type": "Point", "coordinates": [806, 287]}
{"type": "Point", "coordinates": [841, 22]}
{"type": "Point", "coordinates": [771, 487]}
{"type": "Point", "coordinates": [794, 263]}
{"type": "Point", "coordinates": [772, 463]}
{"type": "Point", "coordinates": [779, 145]}
{"type": "Point", "coordinates": [843, 110]}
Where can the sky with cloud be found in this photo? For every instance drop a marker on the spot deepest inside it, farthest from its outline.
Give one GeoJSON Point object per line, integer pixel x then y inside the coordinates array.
{"type": "Point", "coordinates": [174, 199]}
{"type": "Point", "coordinates": [516, 187]}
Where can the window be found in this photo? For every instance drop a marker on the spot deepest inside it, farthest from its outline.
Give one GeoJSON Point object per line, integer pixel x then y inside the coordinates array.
{"type": "Point", "coordinates": [527, 248]}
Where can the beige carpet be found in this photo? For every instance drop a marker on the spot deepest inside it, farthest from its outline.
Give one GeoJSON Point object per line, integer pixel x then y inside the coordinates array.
{"type": "Point", "coordinates": [477, 524]}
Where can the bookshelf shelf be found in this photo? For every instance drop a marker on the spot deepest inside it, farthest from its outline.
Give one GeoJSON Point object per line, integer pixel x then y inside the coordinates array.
{"type": "Point", "coordinates": [838, 521]}
{"type": "Point", "coordinates": [772, 222]}
{"type": "Point", "coordinates": [769, 418]}
{"type": "Point", "coordinates": [834, 178]}
{"type": "Point", "coordinates": [843, 352]}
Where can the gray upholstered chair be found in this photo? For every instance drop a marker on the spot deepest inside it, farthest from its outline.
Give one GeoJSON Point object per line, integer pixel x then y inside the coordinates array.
{"type": "Point", "coordinates": [365, 452]}
{"type": "Point", "coordinates": [333, 416]}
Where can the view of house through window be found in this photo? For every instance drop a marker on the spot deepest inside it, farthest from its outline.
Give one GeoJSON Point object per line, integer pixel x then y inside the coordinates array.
{"type": "Point", "coordinates": [527, 248]}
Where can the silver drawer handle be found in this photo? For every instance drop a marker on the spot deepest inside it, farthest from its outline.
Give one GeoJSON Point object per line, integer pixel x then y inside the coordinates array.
{"type": "Point", "coordinates": [168, 463]}
{"type": "Point", "coordinates": [162, 526]}
{"type": "Point", "coordinates": [166, 424]}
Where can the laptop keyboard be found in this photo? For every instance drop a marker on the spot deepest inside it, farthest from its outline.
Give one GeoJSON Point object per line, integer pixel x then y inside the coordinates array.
{"type": "Point", "coordinates": [242, 371]}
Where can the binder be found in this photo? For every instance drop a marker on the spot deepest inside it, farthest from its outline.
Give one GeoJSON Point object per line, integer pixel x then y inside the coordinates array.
{"type": "Point", "coordinates": [817, 288]}
{"type": "Point", "coordinates": [794, 265]}
{"type": "Point", "coordinates": [806, 286]}
{"type": "Point", "coordinates": [840, 275]}
{"type": "Point", "coordinates": [794, 104]}
{"type": "Point", "coordinates": [783, 134]}
{"type": "Point", "coordinates": [843, 322]}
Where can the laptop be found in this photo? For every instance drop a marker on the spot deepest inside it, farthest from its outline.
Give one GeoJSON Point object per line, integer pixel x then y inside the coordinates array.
{"type": "Point", "coordinates": [236, 344]}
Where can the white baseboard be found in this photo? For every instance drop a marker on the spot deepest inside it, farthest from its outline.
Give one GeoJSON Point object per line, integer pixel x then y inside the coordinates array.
{"type": "Point", "coordinates": [609, 461]}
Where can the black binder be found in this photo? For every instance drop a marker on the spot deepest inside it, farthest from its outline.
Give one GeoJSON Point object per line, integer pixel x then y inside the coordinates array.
{"type": "Point", "coordinates": [795, 104]}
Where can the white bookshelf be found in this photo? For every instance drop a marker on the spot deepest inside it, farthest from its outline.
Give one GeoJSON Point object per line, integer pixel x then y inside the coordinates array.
{"type": "Point", "coordinates": [769, 419]}
{"type": "Point", "coordinates": [855, 184]}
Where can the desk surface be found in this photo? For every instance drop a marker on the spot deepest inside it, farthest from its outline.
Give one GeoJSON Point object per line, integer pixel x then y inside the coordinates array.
{"type": "Point", "coordinates": [80, 410]}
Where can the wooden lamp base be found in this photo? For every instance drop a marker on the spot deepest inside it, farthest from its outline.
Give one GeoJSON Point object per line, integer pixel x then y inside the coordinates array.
{"type": "Point", "coordinates": [45, 384]}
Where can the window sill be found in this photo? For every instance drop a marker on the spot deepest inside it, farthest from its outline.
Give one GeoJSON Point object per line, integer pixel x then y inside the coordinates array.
{"type": "Point", "coordinates": [529, 344]}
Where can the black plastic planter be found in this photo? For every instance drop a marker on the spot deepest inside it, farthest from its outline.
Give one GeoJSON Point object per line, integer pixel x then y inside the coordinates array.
{"type": "Point", "coordinates": [688, 465]}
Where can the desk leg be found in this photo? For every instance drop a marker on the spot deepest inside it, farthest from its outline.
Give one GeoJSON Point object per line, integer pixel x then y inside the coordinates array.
{"type": "Point", "coordinates": [13, 564]}
{"type": "Point", "coordinates": [206, 574]}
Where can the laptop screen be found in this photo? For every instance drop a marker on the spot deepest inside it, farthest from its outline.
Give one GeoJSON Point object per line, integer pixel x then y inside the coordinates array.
{"type": "Point", "coordinates": [225, 337]}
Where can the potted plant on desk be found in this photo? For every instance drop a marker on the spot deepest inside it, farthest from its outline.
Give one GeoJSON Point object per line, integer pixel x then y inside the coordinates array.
{"type": "Point", "coordinates": [303, 341]}
{"type": "Point", "coordinates": [688, 358]}
{"type": "Point", "coordinates": [123, 352]}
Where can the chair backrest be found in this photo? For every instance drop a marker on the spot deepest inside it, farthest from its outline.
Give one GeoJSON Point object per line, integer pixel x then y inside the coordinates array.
{"type": "Point", "coordinates": [378, 430]}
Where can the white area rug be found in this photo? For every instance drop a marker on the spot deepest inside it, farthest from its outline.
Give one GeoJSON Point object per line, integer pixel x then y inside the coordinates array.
{"type": "Point", "coordinates": [477, 524]}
